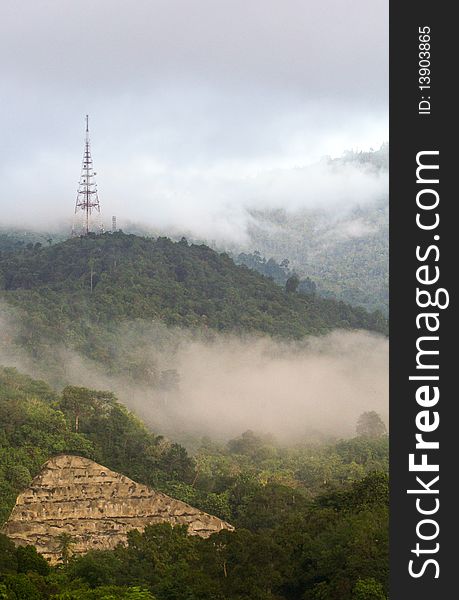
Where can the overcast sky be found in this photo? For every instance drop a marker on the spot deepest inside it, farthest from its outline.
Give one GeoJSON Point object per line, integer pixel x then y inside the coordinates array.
{"type": "Point", "coordinates": [192, 103]}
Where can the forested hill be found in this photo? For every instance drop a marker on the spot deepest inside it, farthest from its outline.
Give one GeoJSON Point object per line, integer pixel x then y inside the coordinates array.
{"type": "Point", "coordinates": [344, 251]}
{"type": "Point", "coordinates": [116, 277]}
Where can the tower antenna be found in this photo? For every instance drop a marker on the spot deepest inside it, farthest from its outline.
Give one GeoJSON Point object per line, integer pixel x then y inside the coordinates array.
{"type": "Point", "coordinates": [87, 199]}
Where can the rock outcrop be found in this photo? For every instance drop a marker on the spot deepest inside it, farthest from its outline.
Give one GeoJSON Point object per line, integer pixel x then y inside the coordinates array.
{"type": "Point", "coordinates": [96, 507]}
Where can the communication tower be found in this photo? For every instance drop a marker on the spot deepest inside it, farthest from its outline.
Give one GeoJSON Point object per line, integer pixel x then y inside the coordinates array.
{"type": "Point", "coordinates": [87, 200]}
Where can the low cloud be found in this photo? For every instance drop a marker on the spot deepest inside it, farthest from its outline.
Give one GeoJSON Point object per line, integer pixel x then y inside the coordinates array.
{"type": "Point", "coordinates": [199, 110]}
{"type": "Point", "coordinates": [291, 390]}
{"type": "Point", "coordinates": [227, 384]}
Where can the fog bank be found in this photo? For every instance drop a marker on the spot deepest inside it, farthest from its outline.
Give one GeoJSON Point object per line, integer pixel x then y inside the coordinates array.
{"type": "Point", "coordinates": [223, 384]}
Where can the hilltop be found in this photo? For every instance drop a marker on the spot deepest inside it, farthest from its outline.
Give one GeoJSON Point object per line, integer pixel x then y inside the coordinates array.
{"type": "Point", "coordinates": [75, 292]}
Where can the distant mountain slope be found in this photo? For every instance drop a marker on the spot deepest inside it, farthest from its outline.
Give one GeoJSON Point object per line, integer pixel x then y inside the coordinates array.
{"type": "Point", "coordinates": [12, 239]}
{"type": "Point", "coordinates": [344, 251]}
{"type": "Point", "coordinates": [71, 291]}
{"type": "Point", "coordinates": [346, 256]}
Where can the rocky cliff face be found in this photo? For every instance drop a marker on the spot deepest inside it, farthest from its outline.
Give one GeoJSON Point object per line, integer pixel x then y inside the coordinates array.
{"type": "Point", "coordinates": [96, 506]}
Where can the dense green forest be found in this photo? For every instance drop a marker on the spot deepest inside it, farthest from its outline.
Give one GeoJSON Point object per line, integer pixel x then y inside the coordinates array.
{"type": "Point", "coordinates": [311, 519]}
{"type": "Point", "coordinates": [278, 272]}
{"type": "Point", "coordinates": [126, 276]}
{"type": "Point", "coordinates": [77, 293]}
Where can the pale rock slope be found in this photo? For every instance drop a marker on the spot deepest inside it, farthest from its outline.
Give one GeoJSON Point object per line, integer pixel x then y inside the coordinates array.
{"type": "Point", "coordinates": [96, 507]}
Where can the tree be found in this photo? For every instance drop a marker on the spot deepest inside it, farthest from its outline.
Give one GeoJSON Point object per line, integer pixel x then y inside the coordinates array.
{"type": "Point", "coordinates": [96, 568]}
{"type": "Point", "coordinates": [285, 263]}
{"type": "Point", "coordinates": [82, 402]}
{"type": "Point", "coordinates": [368, 589]}
{"type": "Point", "coordinates": [76, 401]}
{"type": "Point", "coordinates": [8, 559]}
{"type": "Point", "coordinates": [21, 587]}
{"type": "Point", "coordinates": [109, 592]}
{"type": "Point", "coordinates": [65, 546]}
{"type": "Point", "coordinates": [30, 561]}
{"type": "Point", "coordinates": [371, 490]}
{"type": "Point", "coordinates": [370, 425]}
{"type": "Point", "coordinates": [270, 506]}
{"type": "Point", "coordinates": [248, 443]}
{"type": "Point", "coordinates": [292, 283]}
{"type": "Point", "coordinates": [307, 286]}
{"type": "Point", "coordinates": [91, 273]}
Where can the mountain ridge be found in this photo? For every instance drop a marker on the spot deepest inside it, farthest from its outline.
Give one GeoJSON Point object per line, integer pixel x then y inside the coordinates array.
{"type": "Point", "coordinates": [78, 292]}
{"type": "Point", "coordinates": [167, 273]}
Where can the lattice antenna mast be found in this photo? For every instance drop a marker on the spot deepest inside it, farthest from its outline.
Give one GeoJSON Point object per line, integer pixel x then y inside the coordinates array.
{"type": "Point", "coordinates": [87, 198]}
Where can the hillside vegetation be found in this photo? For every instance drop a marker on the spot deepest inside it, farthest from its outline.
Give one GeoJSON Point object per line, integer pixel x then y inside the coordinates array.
{"type": "Point", "coordinates": [344, 250]}
{"type": "Point", "coordinates": [311, 520]}
{"type": "Point", "coordinates": [37, 423]}
{"type": "Point", "coordinates": [76, 293]}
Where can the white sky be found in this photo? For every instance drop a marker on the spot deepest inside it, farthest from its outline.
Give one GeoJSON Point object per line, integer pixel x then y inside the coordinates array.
{"type": "Point", "coordinates": [193, 103]}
